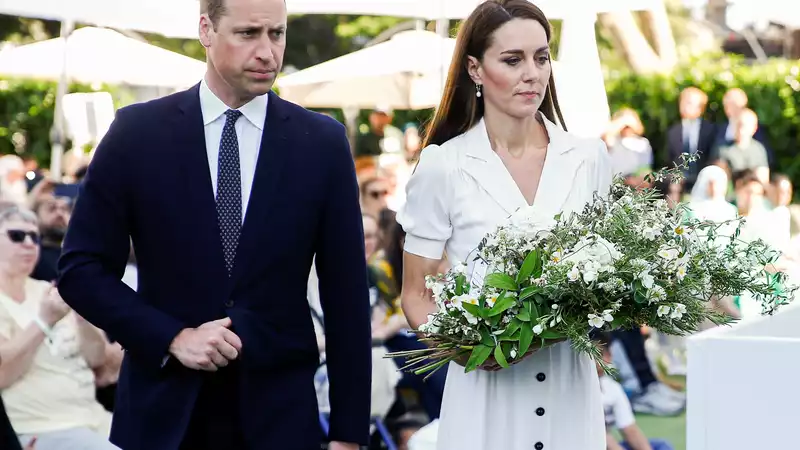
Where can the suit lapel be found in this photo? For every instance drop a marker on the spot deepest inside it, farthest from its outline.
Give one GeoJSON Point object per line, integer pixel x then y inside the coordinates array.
{"type": "Point", "coordinates": [266, 184]}
{"type": "Point", "coordinates": [192, 165]}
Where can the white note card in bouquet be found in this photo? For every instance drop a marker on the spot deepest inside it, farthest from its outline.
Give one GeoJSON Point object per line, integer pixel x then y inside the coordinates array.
{"type": "Point", "coordinates": [476, 275]}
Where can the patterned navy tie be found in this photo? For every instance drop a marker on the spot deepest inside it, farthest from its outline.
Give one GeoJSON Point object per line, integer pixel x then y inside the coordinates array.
{"type": "Point", "coordinates": [229, 189]}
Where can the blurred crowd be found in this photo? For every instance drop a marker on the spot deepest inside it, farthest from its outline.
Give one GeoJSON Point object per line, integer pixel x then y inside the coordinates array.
{"type": "Point", "coordinates": [61, 386]}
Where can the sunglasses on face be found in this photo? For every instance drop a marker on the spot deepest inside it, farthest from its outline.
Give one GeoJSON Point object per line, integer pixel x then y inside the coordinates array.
{"type": "Point", "coordinates": [378, 194]}
{"type": "Point", "coordinates": [18, 236]}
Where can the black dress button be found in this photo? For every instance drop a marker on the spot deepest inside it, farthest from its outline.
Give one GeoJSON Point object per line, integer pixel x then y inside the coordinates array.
{"type": "Point", "coordinates": [540, 377]}
{"type": "Point", "coordinates": [229, 304]}
{"type": "Point", "coordinates": [540, 412]}
{"type": "Point", "coordinates": [538, 446]}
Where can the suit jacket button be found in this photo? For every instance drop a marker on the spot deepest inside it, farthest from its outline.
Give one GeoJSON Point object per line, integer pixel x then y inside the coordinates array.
{"type": "Point", "coordinates": [540, 377]}
{"type": "Point", "coordinates": [540, 412]}
{"type": "Point", "coordinates": [538, 446]}
{"type": "Point", "coordinates": [229, 303]}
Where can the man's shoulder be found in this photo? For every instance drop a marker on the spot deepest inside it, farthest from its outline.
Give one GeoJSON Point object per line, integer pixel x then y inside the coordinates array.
{"type": "Point", "coordinates": [153, 110]}
{"type": "Point", "coordinates": [312, 121]}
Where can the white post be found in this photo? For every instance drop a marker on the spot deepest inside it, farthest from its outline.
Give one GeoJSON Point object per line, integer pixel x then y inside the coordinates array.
{"type": "Point", "coordinates": [58, 132]}
{"type": "Point", "coordinates": [579, 76]}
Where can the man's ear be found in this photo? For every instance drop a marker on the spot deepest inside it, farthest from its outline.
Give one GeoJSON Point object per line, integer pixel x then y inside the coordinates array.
{"type": "Point", "coordinates": [474, 69]}
{"type": "Point", "coordinates": [205, 29]}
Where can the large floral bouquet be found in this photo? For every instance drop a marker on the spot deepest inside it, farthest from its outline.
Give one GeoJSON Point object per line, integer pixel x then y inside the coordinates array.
{"type": "Point", "coordinates": [626, 260]}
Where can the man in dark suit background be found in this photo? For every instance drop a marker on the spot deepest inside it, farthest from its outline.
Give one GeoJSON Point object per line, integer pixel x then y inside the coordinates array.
{"type": "Point", "coordinates": [692, 134]}
{"type": "Point", "coordinates": [220, 346]}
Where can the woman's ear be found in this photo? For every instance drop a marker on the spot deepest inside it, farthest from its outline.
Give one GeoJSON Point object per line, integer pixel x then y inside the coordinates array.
{"type": "Point", "coordinates": [474, 69]}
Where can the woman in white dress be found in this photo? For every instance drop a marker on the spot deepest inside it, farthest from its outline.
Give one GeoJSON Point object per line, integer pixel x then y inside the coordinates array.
{"type": "Point", "coordinates": [492, 148]}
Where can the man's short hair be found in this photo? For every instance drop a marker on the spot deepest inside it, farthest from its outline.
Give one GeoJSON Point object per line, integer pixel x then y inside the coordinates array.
{"type": "Point", "coordinates": [214, 8]}
{"type": "Point", "coordinates": [692, 90]}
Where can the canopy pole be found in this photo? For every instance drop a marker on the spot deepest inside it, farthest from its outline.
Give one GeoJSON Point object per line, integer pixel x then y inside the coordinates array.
{"type": "Point", "coordinates": [58, 133]}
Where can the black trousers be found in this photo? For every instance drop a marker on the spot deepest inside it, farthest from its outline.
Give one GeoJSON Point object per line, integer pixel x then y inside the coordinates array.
{"type": "Point", "coordinates": [215, 422]}
{"type": "Point", "coordinates": [8, 438]}
{"type": "Point", "coordinates": [633, 342]}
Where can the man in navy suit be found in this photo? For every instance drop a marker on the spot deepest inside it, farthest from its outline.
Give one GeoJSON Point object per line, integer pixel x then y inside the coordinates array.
{"type": "Point", "coordinates": [228, 192]}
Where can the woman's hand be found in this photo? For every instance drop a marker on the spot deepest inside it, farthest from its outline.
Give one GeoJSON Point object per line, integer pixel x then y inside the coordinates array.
{"type": "Point", "coordinates": [52, 307]}
{"type": "Point", "coordinates": [491, 364]}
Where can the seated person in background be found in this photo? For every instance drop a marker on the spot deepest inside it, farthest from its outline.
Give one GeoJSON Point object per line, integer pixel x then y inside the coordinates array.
{"type": "Point", "coordinates": [48, 352]}
{"type": "Point", "coordinates": [631, 153]}
{"type": "Point", "coordinates": [618, 411]}
{"type": "Point", "coordinates": [733, 102]}
{"type": "Point", "coordinates": [745, 153]}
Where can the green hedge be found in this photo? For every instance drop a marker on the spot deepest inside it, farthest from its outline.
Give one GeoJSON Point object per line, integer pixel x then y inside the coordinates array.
{"type": "Point", "coordinates": [26, 112]}
{"type": "Point", "coordinates": [773, 89]}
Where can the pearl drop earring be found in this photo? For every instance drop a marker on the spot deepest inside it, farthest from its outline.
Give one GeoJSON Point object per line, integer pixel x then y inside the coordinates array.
{"type": "Point", "coordinates": [478, 90]}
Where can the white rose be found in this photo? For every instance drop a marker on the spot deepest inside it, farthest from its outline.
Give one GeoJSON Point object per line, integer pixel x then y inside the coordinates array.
{"type": "Point", "coordinates": [595, 321]}
{"type": "Point", "coordinates": [574, 274]}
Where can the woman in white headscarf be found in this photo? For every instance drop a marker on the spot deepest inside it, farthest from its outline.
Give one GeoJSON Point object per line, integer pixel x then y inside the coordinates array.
{"type": "Point", "coordinates": [708, 196]}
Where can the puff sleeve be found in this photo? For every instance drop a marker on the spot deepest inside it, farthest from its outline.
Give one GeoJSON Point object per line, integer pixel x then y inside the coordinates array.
{"type": "Point", "coordinates": [425, 217]}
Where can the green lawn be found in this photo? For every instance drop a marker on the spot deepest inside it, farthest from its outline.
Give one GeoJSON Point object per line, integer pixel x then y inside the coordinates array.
{"type": "Point", "coordinates": [673, 429]}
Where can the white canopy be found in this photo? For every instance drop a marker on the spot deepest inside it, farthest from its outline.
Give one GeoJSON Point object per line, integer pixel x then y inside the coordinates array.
{"type": "Point", "coordinates": [97, 55]}
{"type": "Point", "coordinates": [404, 72]}
{"type": "Point", "coordinates": [456, 9]}
{"type": "Point", "coordinates": [173, 18]}
{"type": "Point", "coordinates": [179, 18]}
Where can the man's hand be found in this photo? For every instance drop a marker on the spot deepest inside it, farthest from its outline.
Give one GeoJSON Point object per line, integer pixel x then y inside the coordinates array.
{"type": "Point", "coordinates": [335, 445]}
{"type": "Point", "coordinates": [207, 347]}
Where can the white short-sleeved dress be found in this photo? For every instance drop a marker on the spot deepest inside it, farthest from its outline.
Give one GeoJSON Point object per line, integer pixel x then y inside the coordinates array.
{"type": "Point", "coordinates": [460, 191]}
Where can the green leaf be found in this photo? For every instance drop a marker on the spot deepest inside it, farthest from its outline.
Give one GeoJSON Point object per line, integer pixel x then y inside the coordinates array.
{"type": "Point", "coordinates": [475, 310]}
{"type": "Point", "coordinates": [461, 282]}
{"type": "Point", "coordinates": [513, 337]}
{"type": "Point", "coordinates": [500, 281]}
{"type": "Point", "coordinates": [639, 293]}
{"type": "Point", "coordinates": [479, 355]}
{"type": "Point", "coordinates": [533, 260]}
{"type": "Point", "coordinates": [511, 332]}
{"type": "Point", "coordinates": [502, 304]}
{"type": "Point", "coordinates": [529, 292]}
{"type": "Point", "coordinates": [525, 338]}
{"type": "Point", "coordinates": [524, 316]}
{"type": "Point", "coordinates": [486, 337]}
{"type": "Point", "coordinates": [552, 335]}
{"type": "Point", "coordinates": [500, 357]}
{"type": "Point", "coordinates": [513, 326]}
{"type": "Point", "coordinates": [532, 310]}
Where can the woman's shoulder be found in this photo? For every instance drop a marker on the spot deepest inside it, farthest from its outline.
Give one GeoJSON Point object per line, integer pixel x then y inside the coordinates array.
{"type": "Point", "coordinates": [590, 149]}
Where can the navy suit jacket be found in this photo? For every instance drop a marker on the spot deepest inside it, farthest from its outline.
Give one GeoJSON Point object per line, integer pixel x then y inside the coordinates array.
{"type": "Point", "coordinates": [150, 181]}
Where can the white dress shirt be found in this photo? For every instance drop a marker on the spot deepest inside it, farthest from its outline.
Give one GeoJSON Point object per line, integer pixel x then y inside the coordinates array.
{"type": "Point", "coordinates": [691, 130]}
{"type": "Point", "coordinates": [249, 129]}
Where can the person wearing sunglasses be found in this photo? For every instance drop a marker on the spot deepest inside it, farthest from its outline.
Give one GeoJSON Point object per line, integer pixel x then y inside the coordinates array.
{"type": "Point", "coordinates": [47, 352]}
{"type": "Point", "coordinates": [374, 193]}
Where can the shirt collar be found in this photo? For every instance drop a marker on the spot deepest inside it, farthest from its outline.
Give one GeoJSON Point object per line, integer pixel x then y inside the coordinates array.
{"type": "Point", "coordinates": [212, 107]}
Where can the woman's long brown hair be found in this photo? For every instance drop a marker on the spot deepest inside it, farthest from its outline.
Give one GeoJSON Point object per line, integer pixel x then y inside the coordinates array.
{"type": "Point", "coordinates": [460, 108]}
